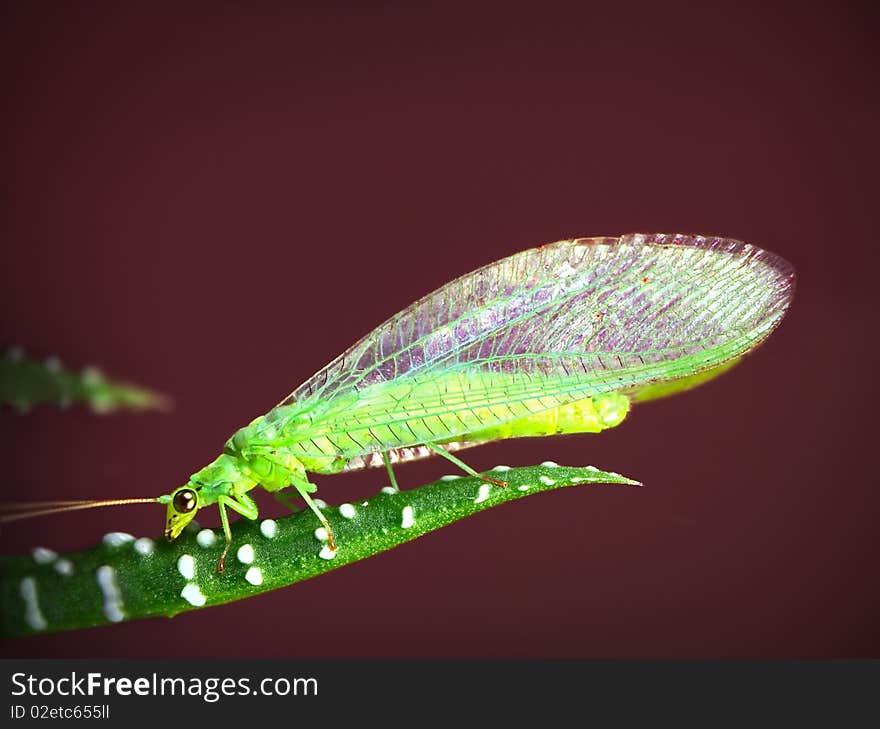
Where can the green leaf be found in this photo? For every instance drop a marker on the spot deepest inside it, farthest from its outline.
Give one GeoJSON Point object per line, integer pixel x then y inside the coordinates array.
{"type": "Point", "coordinates": [26, 382]}
{"type": "Point", "coordinates": [126, 579]}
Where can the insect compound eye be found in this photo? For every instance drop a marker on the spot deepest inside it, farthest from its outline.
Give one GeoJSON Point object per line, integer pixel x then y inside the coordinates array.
{"type": "Point", "coordinates": [184, 501]}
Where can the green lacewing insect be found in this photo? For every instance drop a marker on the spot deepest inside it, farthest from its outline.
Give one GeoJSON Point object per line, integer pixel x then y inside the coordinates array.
{"type": "Point", "coordinates": [561, 338]}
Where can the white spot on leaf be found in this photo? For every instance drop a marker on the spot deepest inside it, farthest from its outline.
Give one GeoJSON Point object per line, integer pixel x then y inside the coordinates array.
{"type": "Point", "coordinates": [550, 464]}
{"type": "Point", "coordinates": [269, 528]}
{"type": "Point", "coordinates": [546, 480]}
{"type": "Point", "coordinates": [245, 554]}
{"type": "Point", "coordinates": [193, 595]}
{"type": "Point", "coordinates": [110, 589]}
{"type": "Point", "coordinates": [32, 615]}
{"type": "Point", "coordinates": [186, 565]}
{"type": "Point", "coordinates": [117, 539]}
{"type": "Point", "coordinates": [450, 477]}
{"type": "Point", "coordinates": [327, 553]}
{"type": "Point", "coordinates": [42, 555]}
{"type": "Point", "coordinates": [206, 538]}
{"type": "Point", "coordinates": [389, 490]}
{"type": "Point", "coordinates": [482, 493]}
{"type": "Point", "coordinates": [321, 534]}
{"type": "Point", "coordinates": [408, 517]}
{"type": "Point", "coordinates": [501, 468]}
{"type": "Point", "coordinates": [64, 567]}
{"type": "Point", "coordinates": [347, 511]}
{"type": "Point", "coordinates": [144, 546]}
{"type": "Point", "coordinates": [254, 575]}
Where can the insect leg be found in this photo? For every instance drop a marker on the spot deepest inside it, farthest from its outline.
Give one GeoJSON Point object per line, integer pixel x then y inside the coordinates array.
{"type": "Point", "coordinates": [440, 451]}
{"type": "Point", "coordinates": [245, 506]}
{"type": "Point", "coordinates": [387, 461]}
{"type": "Point", "coordinates": [331, 542]}
{"type": "Point", "coordinates": [224, 520]}
{"type": "Point", "coordinates": [282, 497]}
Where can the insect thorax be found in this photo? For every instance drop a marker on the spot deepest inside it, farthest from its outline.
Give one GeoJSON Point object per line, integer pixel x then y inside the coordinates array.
{"type": "Point", "coordinates": [226, 475]}
{"type": "Point", "coordinates": [260, 455]}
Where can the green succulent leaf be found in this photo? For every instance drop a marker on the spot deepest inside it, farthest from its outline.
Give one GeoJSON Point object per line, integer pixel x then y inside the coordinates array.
{"type": "Point", "coordinates": [26, 383]}
{"type": "Point", "coordinates": [124, 578]}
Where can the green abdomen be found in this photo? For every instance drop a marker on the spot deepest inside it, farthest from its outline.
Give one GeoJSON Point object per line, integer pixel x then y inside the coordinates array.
{"type": "Point", "coordinates": [591, 415]}
{"type": "Point", "coordinates": [342, 451]}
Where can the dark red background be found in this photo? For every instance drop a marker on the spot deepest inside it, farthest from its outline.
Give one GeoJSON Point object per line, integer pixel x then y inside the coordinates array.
{"type": "Point", "coordinates": [215, 199]}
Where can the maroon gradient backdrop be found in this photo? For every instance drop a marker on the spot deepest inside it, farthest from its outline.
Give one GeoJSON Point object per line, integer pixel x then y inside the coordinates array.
{"type": "Point", "coordinates": [216, 199]}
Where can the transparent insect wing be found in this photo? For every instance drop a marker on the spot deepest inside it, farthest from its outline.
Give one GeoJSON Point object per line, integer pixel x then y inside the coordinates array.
{"type": "Point", "coordinates": [558, 323]}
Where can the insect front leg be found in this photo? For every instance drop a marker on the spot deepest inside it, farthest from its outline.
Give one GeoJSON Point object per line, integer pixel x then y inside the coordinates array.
{"type": "Point", "coordinates": [245, 506]}
{"type": "Point", "coordinates": [440, 451]}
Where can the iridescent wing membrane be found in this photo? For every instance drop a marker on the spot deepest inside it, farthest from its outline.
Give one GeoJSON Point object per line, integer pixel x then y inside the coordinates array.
{"type": "Point", "coordinates": [542, 328]}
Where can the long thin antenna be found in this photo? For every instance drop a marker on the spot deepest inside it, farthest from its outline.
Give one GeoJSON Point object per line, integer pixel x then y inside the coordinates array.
{"type": "Point", "coordinates": [21, 511]}
{"type": "Point", "coordinates": [20, 505]}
